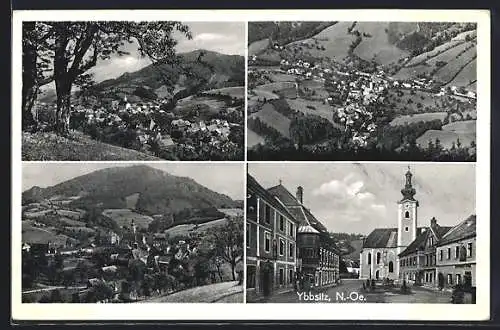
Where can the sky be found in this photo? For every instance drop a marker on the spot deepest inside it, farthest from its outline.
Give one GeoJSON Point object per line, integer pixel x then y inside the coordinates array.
{"type": "Point", "coordinates": [222, 37]}
{"type": "Point", "coordinates": [357, 198]}
{"type": "Point", "coordinates": [224, 178]}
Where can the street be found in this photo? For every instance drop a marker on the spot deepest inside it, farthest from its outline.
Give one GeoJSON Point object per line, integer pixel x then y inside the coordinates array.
{"type": "Point", "coordinates": [350, 291]}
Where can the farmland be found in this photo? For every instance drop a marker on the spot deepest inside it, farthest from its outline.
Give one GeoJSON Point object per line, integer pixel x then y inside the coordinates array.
{"type": "Point", "coordinates": [377, 47]}
{"type": "Point", "coordinates": [463, 78]}
{"type": "Point", "coordinates": [334, 39]}
{"type": "Point", "coordinates": [124, 217]}
{"type": "Point", "coordinates": [238, 92]}
{"type": "Point", "coordinates": [274, 119]}
{"type": "Point", "coordinates": [253, 138]}
{"type": "Point", "coordinates": [257, 47]}
{"type": "Point", "coordinates": [403, 120]}
{"type": "Point", "coordinates": [312, 108]}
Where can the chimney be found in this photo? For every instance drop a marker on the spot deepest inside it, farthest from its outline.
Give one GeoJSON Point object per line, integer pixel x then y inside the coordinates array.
{"type": "Point", "coordinates": [300, 193]}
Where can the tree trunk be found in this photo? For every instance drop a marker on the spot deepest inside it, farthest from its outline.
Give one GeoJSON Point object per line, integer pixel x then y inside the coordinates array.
{"type": "Point", "coordinates": [233, 265]}
{"type": "Point", "coordinates": [30, 87]}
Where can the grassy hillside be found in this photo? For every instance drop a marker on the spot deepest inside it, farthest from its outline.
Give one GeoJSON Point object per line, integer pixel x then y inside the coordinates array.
{"type": "Point", "coordinates": [48, 146]}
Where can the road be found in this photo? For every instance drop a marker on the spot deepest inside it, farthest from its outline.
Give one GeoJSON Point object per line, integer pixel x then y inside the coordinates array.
{"type": "Point", "coordinates": [350, 291]}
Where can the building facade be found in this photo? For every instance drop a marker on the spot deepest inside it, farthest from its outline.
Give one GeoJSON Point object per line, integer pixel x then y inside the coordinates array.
{"type": "Point", "coordinates": [271, 233]}
{"type": "Point", "coordinates": [418, 261]}
{"type": "Point", "coordinates": [456, 255]}
{"type": "Point", "coordinates": [317, 252]}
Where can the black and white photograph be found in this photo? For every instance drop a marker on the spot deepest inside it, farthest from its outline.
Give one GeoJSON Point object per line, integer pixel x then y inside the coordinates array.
{"type": "Point", "coordinates": [361, 233]}
{"type": "Point", "coordinates": [122, 233]}
{"type": "Point", "coordinates": [362, 91]}
{"type": "Point", "coordinates": [128, 90]}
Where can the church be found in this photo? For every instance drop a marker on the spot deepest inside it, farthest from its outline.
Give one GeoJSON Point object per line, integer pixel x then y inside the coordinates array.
{"type": "Point", "coordinates": [379, 255]}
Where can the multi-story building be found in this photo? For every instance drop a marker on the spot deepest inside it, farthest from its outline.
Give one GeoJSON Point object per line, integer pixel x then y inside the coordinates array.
{"type": "Point", "coordinates": [271, 233]}
{"type": "Point", "coordinates": [318, 254]}
{"type": "Point", "coordinates": [456, 255]}
{"type": "Point", "coordinates": [417, 263]}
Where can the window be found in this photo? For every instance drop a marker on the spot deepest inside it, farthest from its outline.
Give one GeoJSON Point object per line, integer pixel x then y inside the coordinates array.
{"type": "Point", "coordinates": [469, 249]}
{"type": "Point", "coordinates": [407, 214]}
{"type": "Point", "coordinates": [406, 229]}
{"type": "Point", "coordinates": [457, 251]}
{"type": "Point", "coordinates": [378, 258]}
{"type": "Point", "coordinates": [282, 276]}
{"type": "Point", "coordinates": [448, 253]}
{"type": "Point", "coordinates": [450, 279]}
{"type": "Point", "coordinates": [391, 267]}
{"type": "Point", "coordinates": [291, 250]}
{"type": "Point", "coordinates": [369, 258]}
{"type": "Point", "coordinates": [267, 217]}
{"type": "Point", "coordinates": [291, 230]}
{"type": "Point", "coordinates": [267, 241]}
{"type": "Point", "coordinates": [282, 247]}
{"type": "Point", "coordinates": [248, 235]}
{"type": "Point", "coordinates": [282, 223]}
{"type": "Point", "coordinates": [440, 255]}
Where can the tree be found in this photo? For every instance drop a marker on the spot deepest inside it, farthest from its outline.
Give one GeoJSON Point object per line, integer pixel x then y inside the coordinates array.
{"type": "Point", "coordinates": [228, 242]}
{"type": "Point", "coordinates": [77, 46]}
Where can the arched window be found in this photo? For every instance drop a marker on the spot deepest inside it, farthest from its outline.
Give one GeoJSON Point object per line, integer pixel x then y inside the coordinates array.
{"type": "Point", "coordinates": [407, 214]}
{"type": "Point", "coordinates": [391, 267]}
{"type": "Point", "coordinates": [369, 258]}
{"type": "Point", "coordinates": [378, 258]}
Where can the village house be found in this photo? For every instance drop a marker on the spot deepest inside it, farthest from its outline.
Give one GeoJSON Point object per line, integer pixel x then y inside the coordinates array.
{"type": "Point", "coordinates": [456, 255]}
{"type": "Point", "coordinates": [418, 261]}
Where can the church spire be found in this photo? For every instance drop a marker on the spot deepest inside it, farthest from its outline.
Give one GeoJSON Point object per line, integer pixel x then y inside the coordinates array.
{"type": "Point", "coordinates": [408, 191]}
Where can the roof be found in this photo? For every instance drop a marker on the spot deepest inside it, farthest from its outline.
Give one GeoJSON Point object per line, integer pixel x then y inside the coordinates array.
{"type": "Point", "coordinates": [284, 195]}
{"type": "Point", "coordinates": [465, 229]}
{"type": "Point", "coordinates": [307, 229]}
{"type": "Point", "coordinates": [382, 238]}
{"type": "Point", "coordinates": [253, 185]}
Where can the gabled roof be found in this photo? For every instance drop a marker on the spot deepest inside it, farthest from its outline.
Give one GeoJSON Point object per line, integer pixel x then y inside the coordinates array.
{"type": "Point", "coordinates": [382, 238]}
{"type": "Point", "coordinates": [284, 195]}
{"type": "Point", "coordinates": [253, 185]}
{"type": "Point", "coordinates": [465, 229]}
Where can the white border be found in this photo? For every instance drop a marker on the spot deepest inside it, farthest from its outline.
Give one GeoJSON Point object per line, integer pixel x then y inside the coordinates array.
{"type": "Point", "coordinates": [479, 311]}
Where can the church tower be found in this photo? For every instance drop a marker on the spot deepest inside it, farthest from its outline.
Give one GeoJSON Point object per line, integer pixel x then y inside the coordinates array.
{"type": "Point", "coordinates": [407, 213]}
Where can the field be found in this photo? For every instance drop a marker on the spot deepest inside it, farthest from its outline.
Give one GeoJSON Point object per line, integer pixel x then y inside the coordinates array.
{"type": "Point", "coordinates": [72, 223]}
{"type": "Point", "coordinates": [428, 55]}
{"type": "Point", "coordinates": [377, 47]}
{"type": "Point", "coordinates": [334, 39]}
{"type": "Point", "coordinates": [185, 229]}
{"type": "Point", "coordinates": [427, 101]}
{"type": "Point", "coordinates": [124, 217]}
{"type": "Point", "coordinates": [403, 120]}
{"type": "Point", "coordinates": [321, 110]}
{"type": "Point", "coordinates": [253, 138]}
{"type": "Point", "coordinates": [238, 92]}
{"type": "Point", "coordinates": [282, 77]}
{"type": "Point", "coordinates": [42, 236]}
{"type": "Point", "coordinates": [262, 95]}
{"type": "Point", "coordinates": [464, 130]}
{"type": "Point", "coordinates": [464, 77]}
{"type": "Point", "coordinates": [258, 46]}
{"type": "Point", "coordinates": [274, 119]}
{"type": "Point", "coordinates": [314, 89]}
{"type": "Point", "coordinates": [454, 68]}
{"type": "Point", "coordinates": [131, 200]}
